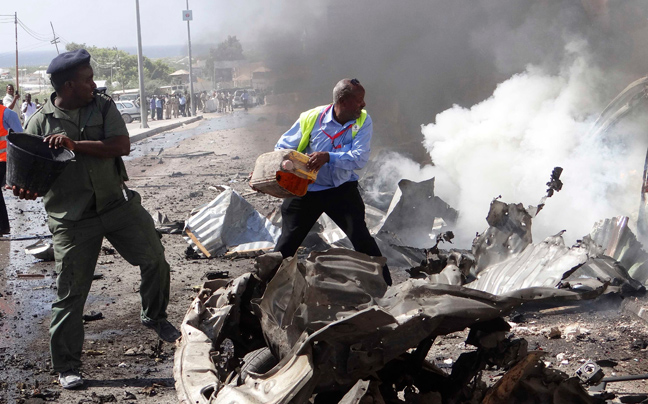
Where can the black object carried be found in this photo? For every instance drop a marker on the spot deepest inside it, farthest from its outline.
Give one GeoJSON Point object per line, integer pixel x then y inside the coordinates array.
{"type": "Point", "coordinates": [32, 164]}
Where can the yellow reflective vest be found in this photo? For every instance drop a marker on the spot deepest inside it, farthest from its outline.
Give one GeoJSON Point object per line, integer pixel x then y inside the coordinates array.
{"type": "Point", "coordinates": [308, 119]}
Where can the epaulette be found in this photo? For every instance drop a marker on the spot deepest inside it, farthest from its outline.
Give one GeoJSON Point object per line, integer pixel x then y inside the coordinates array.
{"type": "Point", "coordinates": [107, 102]}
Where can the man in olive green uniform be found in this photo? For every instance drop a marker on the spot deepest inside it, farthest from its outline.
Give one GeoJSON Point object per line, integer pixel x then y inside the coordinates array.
{"type": "Point", "coordinates": [88, 202]}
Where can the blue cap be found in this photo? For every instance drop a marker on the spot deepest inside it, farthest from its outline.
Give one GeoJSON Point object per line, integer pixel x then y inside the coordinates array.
{"type": "Point", "coordinates": [68, 60]}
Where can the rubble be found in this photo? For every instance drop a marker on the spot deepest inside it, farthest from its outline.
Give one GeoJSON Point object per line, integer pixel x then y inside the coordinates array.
{"type": "Point", "coordinates": [41, 250]}
{"type": "Point", "coordinates": [332, 322]}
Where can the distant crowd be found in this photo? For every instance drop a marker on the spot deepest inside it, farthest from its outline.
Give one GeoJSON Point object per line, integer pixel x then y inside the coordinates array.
{"type": "Point", "coordinates": [167, 106]}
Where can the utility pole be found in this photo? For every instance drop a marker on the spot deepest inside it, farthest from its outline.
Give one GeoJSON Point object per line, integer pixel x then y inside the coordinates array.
{"type": "Point", "coordinates": [140, 69]}
{"type": "Point", "coordinates": [16, 23]}
{"type": "Point", "coordinates": [54, 41]}
{"type": "Point", "coordinates": [187, 16]}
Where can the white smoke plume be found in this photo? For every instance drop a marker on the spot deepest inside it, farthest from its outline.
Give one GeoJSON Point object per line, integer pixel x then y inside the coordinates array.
{"type": "Point", "coordinates": [508, 145]}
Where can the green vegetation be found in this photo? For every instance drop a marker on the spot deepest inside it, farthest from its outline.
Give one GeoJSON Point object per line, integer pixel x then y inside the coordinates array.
{"type": "Point", "coordinates": [229, 49]}
{"type": "Point", "coordinates": [122, 66]}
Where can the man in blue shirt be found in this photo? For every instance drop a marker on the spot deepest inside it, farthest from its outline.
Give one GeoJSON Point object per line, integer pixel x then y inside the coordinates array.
{"type": "Point", "coordinates": [336, 153]}
{"type": "Point", "coordinates": [10, 120]}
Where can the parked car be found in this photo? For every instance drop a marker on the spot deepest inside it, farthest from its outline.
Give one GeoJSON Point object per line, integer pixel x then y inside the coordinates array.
{"type": "Point", "coordinates": [238, 102]}
{"type": "Point", "coordinates": [128, 110]}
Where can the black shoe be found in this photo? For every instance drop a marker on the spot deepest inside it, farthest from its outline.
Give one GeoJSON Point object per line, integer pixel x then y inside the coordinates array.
{"type": "Point", "coordinates": [164, 329]}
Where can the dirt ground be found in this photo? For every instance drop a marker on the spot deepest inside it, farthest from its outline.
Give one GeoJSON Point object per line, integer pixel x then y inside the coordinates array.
{"type": "Point", "coordinates": [174, 172]}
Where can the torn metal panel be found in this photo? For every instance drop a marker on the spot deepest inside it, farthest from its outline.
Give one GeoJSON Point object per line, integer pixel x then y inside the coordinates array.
{"type": "Point", "coordinates": [228, 221]}
{"type": "Point", "coordinates": [620, 243]}
{"type": "Point", "coordinates": [400, 256]}
{"type": "Point", "coordinates": [509, 233]}
{"type": "Point", "coordinates": [542, 264]}
{"type": "Point", "coordinates": [338, 298]}
{"type": "Point", "coordinates": [507, 261]}
{"type": "Point", "coordinates": [279, 386]}
{"type": "Point", "coordinates": [41, 250]}
{"type": "Point", "coordinates": [196, 374]}
{"type": "Point", "coordinates": [416, 215]}
{"type": "Point", "coordinates": [331, 321]}
{"type": "Point", "coordinates": [454, 273]}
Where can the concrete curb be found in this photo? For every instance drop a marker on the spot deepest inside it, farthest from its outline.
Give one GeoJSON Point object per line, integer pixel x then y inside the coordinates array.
{"type": "Point", "coordinates": [160, 129]}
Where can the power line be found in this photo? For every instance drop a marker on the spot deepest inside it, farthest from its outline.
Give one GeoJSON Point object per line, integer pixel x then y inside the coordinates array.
{"type": "Point", "coordinates": [32, 33]}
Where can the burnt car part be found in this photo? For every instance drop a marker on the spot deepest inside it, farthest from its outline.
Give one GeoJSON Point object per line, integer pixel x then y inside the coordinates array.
{"type": "Point", "coordinates": [331, 322]}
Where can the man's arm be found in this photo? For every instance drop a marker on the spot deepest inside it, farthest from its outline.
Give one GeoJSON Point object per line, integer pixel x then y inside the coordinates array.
{"type": "Point", "coordinates": [290, 139]}
{"type": "Point", "coordinates": [115, 146]}
{"type": "Point", "coordinates": [357, 157]}
{"type": "Point", "coordinates": [11, 120]}
{"type": "Point", "coordinates": [16, 98]}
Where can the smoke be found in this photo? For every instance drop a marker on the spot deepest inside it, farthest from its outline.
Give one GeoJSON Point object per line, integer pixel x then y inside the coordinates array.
{"type": "Point", "coordinates": [506, 90]}
{"type": "Point", "coordinates": [508, 144]}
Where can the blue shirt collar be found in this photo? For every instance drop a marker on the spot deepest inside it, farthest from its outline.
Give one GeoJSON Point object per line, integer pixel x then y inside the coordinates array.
{"type": "Point", "coordinates": [328, 117]}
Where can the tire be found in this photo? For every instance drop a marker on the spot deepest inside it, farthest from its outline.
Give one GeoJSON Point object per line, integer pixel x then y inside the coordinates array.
{"type": "Point", "coordinates": [259, 361]}
{"type": "Point", "coordinates": [127, 118]}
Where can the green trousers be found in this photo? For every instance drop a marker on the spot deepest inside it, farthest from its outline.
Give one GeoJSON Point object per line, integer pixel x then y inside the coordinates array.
{"type": "Point", "coordinates": [130, 229]}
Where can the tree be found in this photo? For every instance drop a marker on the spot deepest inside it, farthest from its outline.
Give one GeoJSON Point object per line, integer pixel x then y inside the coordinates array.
{"type": "Point", "coordinates": [229, 49]}
{"type": "Point", "coordinates": [122, 66]}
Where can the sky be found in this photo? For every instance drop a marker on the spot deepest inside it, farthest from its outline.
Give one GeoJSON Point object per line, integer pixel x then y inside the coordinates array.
{"type": "Point", "coordinates": [113, 23]}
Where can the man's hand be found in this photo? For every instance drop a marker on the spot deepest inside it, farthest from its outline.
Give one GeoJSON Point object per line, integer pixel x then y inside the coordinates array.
{"type": "Point", "coordinates": [317, 160]}
{"type": "Point", "coordinates": [22, 193]}
{"type": "Point", "coordinates": [60, 140]}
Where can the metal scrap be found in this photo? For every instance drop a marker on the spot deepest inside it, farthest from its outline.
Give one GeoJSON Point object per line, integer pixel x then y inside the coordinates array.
{"type": "Point", "coordinates": [331, 321]}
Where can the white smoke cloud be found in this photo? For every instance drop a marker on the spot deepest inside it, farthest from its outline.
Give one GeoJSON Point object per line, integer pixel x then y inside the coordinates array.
{"type": "Point", "coordinates": [508, 145]}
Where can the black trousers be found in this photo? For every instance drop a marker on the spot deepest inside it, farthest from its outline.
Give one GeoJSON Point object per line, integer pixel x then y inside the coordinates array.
{"type": "Point", "coordinates": [344, 206]}
{"type": "Point", "coordinates": [4, 217]}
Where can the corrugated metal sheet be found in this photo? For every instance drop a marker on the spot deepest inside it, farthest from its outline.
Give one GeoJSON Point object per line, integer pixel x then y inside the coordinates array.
{"type": "Point", "coordinates": [228, 221]}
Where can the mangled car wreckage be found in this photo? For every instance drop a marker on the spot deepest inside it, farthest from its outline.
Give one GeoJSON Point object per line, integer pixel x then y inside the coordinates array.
{"type": "Point", "coordinates": [329, 330]}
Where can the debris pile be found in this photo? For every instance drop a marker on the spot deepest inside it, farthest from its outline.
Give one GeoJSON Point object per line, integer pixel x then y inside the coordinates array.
{"type": "Point", "coordinates": [327, 329]}
{"type": "Point", "coordinates": [335, 329]}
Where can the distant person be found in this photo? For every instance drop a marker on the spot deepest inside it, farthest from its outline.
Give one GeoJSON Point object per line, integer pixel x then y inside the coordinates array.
{"type": "Point", "coordinates": [220, 98]}
{"type": "Point", "coordinates": [230, 101]}
{"type": "Point", "coordinates": [175, 106]}
{"type": "Point", "coordinates": [28, 107]}
{"type": "Point", "coordinates": [203, 101]}
{"type": "Point", "coordinates": [159, 105]}
{"type": "Point", "coordinates": [89, 202]}
{"type": "Point", "coordinates": [245, 97]}
{"type": "Point", "coordinates": [12, 100]}
{"type": "Point", "coordinates": [183, 105]}
{"type": "Point", "coordinates": [11, 121]}
{"type": "Point", "coordinates": [190, 104]}
{"type": "Point", "coordinates": [38, 104]}
{"type": "Point", "coordinates": [152, 106]}
{"type": "Point", "coordinates": [167, 106]}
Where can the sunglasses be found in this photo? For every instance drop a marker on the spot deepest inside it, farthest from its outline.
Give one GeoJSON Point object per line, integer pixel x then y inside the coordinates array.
{"type": "Point", "coordinates": [355, 82]}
